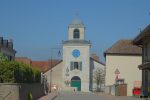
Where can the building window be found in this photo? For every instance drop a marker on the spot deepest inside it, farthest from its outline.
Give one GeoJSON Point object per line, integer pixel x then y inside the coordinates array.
{"type": "Point", "coordinates": [76, 34]}
{"type": "Point", "coordinates": [76, 65]}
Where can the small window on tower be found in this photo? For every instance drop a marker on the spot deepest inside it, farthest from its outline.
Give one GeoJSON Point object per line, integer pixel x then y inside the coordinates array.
{"type": "Point", "coordinates": [76, 65]}
{"type": "Point", "coordinates": [76, 34]}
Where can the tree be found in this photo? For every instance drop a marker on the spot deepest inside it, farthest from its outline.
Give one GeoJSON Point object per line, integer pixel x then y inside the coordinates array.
{"type": "Point", "coordinates": [16, 72]}
{"type": "Point", "coordinates": [3, 57]}
{"type": "Point", "coordinates": [99, 77]}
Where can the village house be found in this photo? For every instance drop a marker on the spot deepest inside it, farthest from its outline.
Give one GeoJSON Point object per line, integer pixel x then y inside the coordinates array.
{"type": "Point", "coordinates": [6, 47]}
{"type": "Point", "coordinates": [122, 60]}
{"type": "Point", "coordinates": [143, 41]}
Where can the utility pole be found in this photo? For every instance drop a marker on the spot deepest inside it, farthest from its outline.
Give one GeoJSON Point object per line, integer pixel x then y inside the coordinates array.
{"type": "Point", "coordinates": [51, 65]}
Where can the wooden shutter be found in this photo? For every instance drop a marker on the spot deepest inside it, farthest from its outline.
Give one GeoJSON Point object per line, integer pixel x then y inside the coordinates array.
{"type": "Point", "coordinates": [71, 66]}
{"type": "Point", "coordinates": [80, 66]}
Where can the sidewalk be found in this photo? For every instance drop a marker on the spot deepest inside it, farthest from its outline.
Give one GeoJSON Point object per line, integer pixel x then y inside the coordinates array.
{"type": "Point", "coordinates": [111, 97]}
{"type": "Point", "coordinates": [49, 96]}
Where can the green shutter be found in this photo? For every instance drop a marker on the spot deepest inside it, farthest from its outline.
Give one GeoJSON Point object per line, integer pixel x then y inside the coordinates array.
{"type": "Point", "coordinates": [71, 65]}
{"type": "Point", "coordinates": [80, 64]}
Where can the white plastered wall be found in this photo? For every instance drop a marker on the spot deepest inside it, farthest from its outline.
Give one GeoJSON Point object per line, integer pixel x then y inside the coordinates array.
{"type": "Point", "coordinates": [56, 78]}
{"type": "Point", "coordinates": [128, 67]}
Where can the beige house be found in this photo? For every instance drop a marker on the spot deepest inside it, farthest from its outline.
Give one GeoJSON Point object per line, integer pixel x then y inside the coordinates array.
{"type": "Point", "coordinates": [123, 59]}
{"type": "Point", "coordinates": [143, 41]}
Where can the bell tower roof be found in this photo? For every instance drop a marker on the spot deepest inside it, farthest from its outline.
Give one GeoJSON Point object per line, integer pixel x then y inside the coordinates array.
{"type": "Point", "coordinates": [76, 23]}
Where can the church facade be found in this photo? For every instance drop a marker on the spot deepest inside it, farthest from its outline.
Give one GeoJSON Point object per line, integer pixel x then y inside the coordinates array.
{"type": "Point", "coordinates": [77, 68]}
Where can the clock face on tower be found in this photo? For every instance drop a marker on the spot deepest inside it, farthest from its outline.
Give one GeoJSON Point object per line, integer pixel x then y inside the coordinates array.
{"type": "Point", "coordinates": [76, 53]}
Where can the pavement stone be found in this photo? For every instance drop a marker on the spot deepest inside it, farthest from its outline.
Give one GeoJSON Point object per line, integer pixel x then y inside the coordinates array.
{"type": "Point", "coordinates": [85, 96]}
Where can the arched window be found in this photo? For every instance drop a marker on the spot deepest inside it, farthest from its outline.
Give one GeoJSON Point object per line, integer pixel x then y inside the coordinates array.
{"type": "Point", "coordinates": [76, 34]}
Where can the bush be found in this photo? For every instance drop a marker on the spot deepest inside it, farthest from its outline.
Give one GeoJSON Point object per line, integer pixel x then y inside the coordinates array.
{"type": "Point", "coordinates": [16, 72]}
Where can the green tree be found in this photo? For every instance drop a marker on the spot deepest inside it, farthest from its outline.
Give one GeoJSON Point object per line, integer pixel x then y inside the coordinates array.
{"type": "Point", "coordinates": [3, 57]}
{"type": "Point", "coordinates": [16, 72]}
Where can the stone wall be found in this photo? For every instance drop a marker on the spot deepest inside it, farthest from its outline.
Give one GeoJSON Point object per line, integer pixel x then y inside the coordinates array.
{"type": "Point", "coordinates": [12, 91]}
{"type": "Point", "coordinates": [9, 91]}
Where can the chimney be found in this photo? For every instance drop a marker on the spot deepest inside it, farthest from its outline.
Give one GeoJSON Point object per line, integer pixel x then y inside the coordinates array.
{"type": "Point", "coordinates": [95, 57]}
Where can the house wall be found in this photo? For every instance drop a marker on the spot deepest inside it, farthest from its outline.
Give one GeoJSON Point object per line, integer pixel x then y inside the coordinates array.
{"type": "Point", "coordinates": [145, 72]}
{"type": "Point", "coordinates": [147, 57]}
{"type": "Point", "coordinates": [6, 47]}
{"type": "Point", "coordinates": [55, 75]}
{"type": "Point", "coordinates": [128, 67]}
{"type": "Point", "coordinates": [8, 53]}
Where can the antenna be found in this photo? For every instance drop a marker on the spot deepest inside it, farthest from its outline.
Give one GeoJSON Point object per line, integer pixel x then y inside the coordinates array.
{"type": "Point", "coordinates": [77, 15]}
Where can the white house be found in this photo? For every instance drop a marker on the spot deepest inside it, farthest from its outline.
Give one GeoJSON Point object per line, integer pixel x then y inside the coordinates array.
{"type": "Point", "coordinates": [123, 59]}
{"type": "Point", "coordinates": [76, 70]}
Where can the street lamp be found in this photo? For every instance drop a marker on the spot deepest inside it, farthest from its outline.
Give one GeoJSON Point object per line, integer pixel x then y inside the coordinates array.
{"type": "Point", "coordinates": [51, 65]}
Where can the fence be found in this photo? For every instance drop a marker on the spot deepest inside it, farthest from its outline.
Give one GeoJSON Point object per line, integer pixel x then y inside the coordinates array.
{"type": "Point", "coordinates": [117, 90]}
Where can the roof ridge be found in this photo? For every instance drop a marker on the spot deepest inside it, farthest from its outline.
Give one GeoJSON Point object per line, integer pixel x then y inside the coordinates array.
{"type": "Point", "coordinates": [123, 46]}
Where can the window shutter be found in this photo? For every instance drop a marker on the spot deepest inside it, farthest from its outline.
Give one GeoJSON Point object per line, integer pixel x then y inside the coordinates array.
{"type": "Point", "coordinates": [71, 66]}
{"type": "Point", "coordinates": [80, 64]}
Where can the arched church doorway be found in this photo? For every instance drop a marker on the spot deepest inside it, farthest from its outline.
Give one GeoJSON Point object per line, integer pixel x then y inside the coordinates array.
{"type": "Point", "coordinates": [76, 82]}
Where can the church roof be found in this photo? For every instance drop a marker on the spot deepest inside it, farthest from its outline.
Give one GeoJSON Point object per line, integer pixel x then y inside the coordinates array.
{"type": "Point", "coordinates": [77, 42]}
{"type": "Point", "coordinates": [97, 61]}
{"type": "Point", "coordinates": [124, 47]}
{"type": "Point", "coordinates": [76, 23]}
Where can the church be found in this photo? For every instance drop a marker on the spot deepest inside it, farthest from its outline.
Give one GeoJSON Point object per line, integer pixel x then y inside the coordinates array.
{"type": "Point", "coordinates": [76, 70]}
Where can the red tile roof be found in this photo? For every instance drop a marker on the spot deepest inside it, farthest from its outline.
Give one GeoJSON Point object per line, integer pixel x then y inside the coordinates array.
{"type": "Point", "coordinates": [41, 65]}
{"type": "Point", "coordinates": [23, 60]}
{"type": "Point", "coordinates": [44, 65]}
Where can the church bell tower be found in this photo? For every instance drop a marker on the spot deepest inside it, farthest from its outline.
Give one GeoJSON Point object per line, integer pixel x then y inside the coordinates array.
{"type": "Point", "coordinates": [76, 57]}
{"type": "Point", "coordinates": [76, 30]}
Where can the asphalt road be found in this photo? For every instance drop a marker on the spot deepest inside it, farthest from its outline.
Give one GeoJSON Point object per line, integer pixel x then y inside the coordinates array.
{"type": "Point", "coordinates": [89, 96]}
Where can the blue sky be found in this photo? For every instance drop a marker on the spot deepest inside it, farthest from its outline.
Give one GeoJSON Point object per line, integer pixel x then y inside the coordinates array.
{"type": "Point", "coordinates": [36, 26]}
